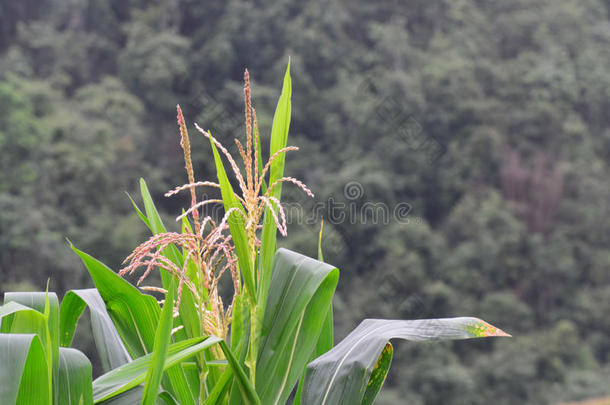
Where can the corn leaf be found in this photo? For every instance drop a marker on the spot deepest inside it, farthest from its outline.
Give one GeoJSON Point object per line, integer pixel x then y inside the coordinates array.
{"type": "Point", "coordinates": [378, 375]}
{"type": "Point", "coordinates": [237, 225]}
{"type": "Point", "coordinates": [221, 388]}
{"type": "Point", "coordinates": [24, 372]}
{"type": "Point", "coordinates": [188, 314]}
{"type": "Point", "coordinates": [139, 211]}
{"type": "Point", "coordinates": [300, 296]}
{"type": "Point", "coordinates": [131, 397]}
{"type": "Point", "coordinates": [42, 321]}
{"type": "Point", "coordinates": [74, 385]}
{"type": "Point", "coordinates": [249, 395]}
{"type": "Point", "coordinates": [162, 341]}
{"type": "Point", "coordinates": [133, 374]}
{"type": "Point", "coordinates": [326, 339]}
{"type": "Point", "coordinates": [244, 392]}
{"type": "Point", "coordinates": [109, 346]}
{"type": "Point", "coordinates": [135, 316]}
{"type": "Point", "coordinates": [240, 335]}
{"type": "Point", "coordinates": [279, 138]}
{"type": "Point", "coordinates": [347, 374]}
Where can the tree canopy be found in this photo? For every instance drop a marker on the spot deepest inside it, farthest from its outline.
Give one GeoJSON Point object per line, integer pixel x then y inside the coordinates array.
{"type": "Point", "coordinates": [487, 121]}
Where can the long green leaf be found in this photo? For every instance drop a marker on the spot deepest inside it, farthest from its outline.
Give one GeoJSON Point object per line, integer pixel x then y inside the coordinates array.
{"type": "Point", "coordinates": [43, 321]}
{"type": "Point", "coordinates": [300, 296]}
{"type": "Point", "coordinates": [142, 216]}
{"type": "Point", "coordinates": [11, 308]}
{"type": "Point", "coordinates": [326, 339]}
{"type": "Point", "coordinates": [162, 341]}
{"type": "Point", "coordinates": [240, 335]}
{"type": "Point", "coordinates": [188, 316]}
{"type": "Point", "coordinates": [153, 220]}
{"type": "Point", "coordinates": [135, 316]}
{"type": "Point", "coordinates": [237, 225]}
{"type": "Point", "coordinates": [342, 375]}
{"type": "Point", "coordinates": [188, 312]}
{"type": "Point", "coordinates": [279, 138]}
{"type": "Point", "coordinates": [74, 384]}
{"type": "Point", "coordinates": [109, 346]}
{"type": "Point", "coordinates": [133, 374]}
{"type": "Point", "coordinates": [24, 372]}
{"type": "Point", "coordinates": [221, 388]}
{"type": "Point", "coordinates": [131, 397]}
{"type": "Point", "coordinates": [249, 395]}
{"type": "Point", "coordinates": [134, 396]}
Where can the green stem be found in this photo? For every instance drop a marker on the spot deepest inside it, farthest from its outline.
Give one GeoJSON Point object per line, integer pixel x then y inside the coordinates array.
{"type": "Point", "coordinates": [203, 388]}
{"type": "Point", "coordinates": [253, 345]}
{"type": "Point", "coordinates": [254, 327]}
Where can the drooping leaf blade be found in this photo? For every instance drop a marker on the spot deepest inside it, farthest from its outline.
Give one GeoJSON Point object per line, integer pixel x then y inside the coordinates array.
{"type": "Point", "coordinates": [341, 376]}
{"type": "Point", "coordinates": [135, 316]}
{"type": "Point", "coordinates": [108, 343]}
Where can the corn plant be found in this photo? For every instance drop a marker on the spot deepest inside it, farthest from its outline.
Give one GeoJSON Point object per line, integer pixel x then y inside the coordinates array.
{"type": "Point", "coordinates": [273, 342]}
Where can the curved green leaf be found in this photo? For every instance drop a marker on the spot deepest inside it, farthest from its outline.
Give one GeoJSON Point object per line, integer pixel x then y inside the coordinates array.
{"type": "Point", "coordinates": [24, 372]}
{"type": "Point", "coordinates": [109, 346]}
{"type": "Point", "coordinates": [74, 385]}
{"type": "Point", "coordinates": [342, 376]}
{"type": "Point", "coordinates": [134, 396]}
{"type": "Point", "coordinates": [42, 320]}
{"type": "Point", "coordinates": [299, 299]}
{"type": "Point", "coordinates": [133, 374]}
{"type": "Point", "coordinates": [10, 308]}
{"type": "Point", "coordinates": [326, 340]}
{"type": "Point", "coordinates": [221, 388]}
{"type": "Point", "coordinates": [249, 395]}
{"type": "Point", "coordinates": [378, 375]}
{"type": "Point", "coordinates": [135, 316]}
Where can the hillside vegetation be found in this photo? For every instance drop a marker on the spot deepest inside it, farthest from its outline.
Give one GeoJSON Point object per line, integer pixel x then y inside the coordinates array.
{"type": "Point", "coordinates": [487, 120]}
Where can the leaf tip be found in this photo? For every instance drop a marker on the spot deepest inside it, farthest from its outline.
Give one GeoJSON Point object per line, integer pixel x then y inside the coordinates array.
{"type": "Point", "coordinates": [480, 328]}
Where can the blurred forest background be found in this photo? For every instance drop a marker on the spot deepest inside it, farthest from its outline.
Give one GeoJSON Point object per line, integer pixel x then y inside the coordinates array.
{"type": "Point", "coordinates": [491, 120]}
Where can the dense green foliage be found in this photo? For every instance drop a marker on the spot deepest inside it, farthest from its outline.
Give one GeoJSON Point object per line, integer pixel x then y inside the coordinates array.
{"type": "Point", "coordinates": [510, 224]}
